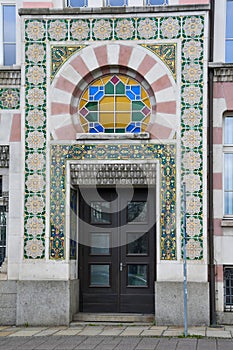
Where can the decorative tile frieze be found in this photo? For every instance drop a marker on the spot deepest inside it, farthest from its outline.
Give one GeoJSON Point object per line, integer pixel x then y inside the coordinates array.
{"type": "Point", "coordinates": [9, 98]}
{"type": "Point", "coordinates": [165, 154]}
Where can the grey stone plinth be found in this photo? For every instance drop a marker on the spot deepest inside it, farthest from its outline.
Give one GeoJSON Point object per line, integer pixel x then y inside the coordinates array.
{"type": "Point", "coordinates": [46, 303]}
{"type": "Point", "coordinates": [225, 318]}
{"type": "Point", "coordinates": [8, 290]}
{"type": "Point", "coordinates": [169, 305]}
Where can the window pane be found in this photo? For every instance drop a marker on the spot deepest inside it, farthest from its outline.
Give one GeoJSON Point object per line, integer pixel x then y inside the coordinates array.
{"type": "Point", "coordinates": [9, 24]}
{"type": "Point", "coordinates": [100, 213]}
{"type": "Point", "coordinates": [137, 211]}
{"type": "Point", "coordinates": [137, 275]}
{"type": "Point", "coordinates": [229, 203]}
{"type": "Point", "coordinates": [229, 22]}
{"type": "Point", "coordinates": [228, 131]}
{"type": "Point", "coordinates": [228, 171]}
{"type": "Point", "coordinates": [100, 275]}
{"type": "Point", "coordinates": [117, 2]}
{"type": "Point", "coordinates": [9, 54]}
{"type": "Point", "coordinates": [229, 50]}
{"type": "Point", "coordinates": [156, 2]}
{"type": "Point", "coordinates": [76, 3]}
{"type": "Point", "coordinates": [138, 243]}
{"type": "Point", "coordinates": [100, 243]}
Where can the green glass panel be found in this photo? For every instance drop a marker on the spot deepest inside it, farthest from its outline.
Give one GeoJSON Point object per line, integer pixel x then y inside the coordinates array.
{"type": "Point", "coordinates": [120, 88]}
{"type": "Point", "coordinates": [120, 130]}
{"type": "Point", "coordinates": [137, 116]}
{"type": "Point", "coordinates": [92, 106]}
{"type": "Point", "coordinates": [109, 88]}
{"type": "Point", "coordinates": [109, 130]}
{"type": "Point", "coordinates": [92, 117]}
{"type": "Point", "coordinates": [137, 105]}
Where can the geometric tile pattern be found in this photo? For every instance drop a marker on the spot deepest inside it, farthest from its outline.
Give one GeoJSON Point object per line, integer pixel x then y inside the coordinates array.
{"type": "Point", "coordinates": [9, 98]}
{"type": "Point", "coordinates": [39, 33]}
{"type": "Point", "coordinates": [165, 154]}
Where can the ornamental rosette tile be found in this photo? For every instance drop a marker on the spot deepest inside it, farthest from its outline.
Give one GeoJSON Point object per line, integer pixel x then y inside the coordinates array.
{"type": "Point", "coordinates": [35, 75]}
{"type": "Point", "coordinates": [80, 30]}
{"type": "Point", "coordinates": [36, 97]}
{"type": "Point", "coordinates": [9, 99]}
{"type": "Point", "coordinates": [35, 226]}
{"type": "Point", "coordinates": [35, 53]}
{"type": "Point", "coordinates": [35, 183]}
{"type": "Point", "coordinates": [191, 117]}
{"type": "Point", "coordinates": [36, 118]}
{"type": "Point", "coordinates": [192, 49]}
{"type": "Point", "coordinates": [102, 29]}
{"type": "Point", "coordinates": [192, 161]}
{"type": "Point", "coordinates": [193, 227]}
{"type": "Point", "coordinates": [35, 140]}
{"type": "Point", "coordinates": [194, 249]}
{"type": "Point", "coordinates": [193, 26]}
{"type": "Point", "coordinates": [34, 248]}
{"type": "Point", "coordinates": [35, 161]}
{"type": "Point", "coordinates": [35, 205]}
{"type": "Point", "coordinates": [35, 30]}
{"type": "Point", "coordinates": [147, 28]}
{"type": "Point", "coordinates": [193, 205]}
{"type": "Point", "coordinates": [193, 182]}
{"type": "Point", "coordinates": [192, 72]}
{"type": "Point", "coordinates": [170, 28]}
{"type": "Point", "coordinates": [57, 30]}
{"type": "Point", "coordinates": [191, 138]}
{"type": "Point", "coordinates": [124, 29]}
{"type": "Point", "coordinates": [192, 95]}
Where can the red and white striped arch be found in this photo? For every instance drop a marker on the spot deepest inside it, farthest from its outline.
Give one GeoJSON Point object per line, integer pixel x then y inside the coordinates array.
{"type": "Point", "coordinates": [96, 60]}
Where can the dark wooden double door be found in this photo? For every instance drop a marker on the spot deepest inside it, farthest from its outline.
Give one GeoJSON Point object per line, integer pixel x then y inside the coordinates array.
{"type": "Point", "coordinates": [117, 249]}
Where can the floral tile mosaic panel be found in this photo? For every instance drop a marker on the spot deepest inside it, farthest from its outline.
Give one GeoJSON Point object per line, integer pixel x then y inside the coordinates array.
{"type": "Point", "coordinates": [9, 98]}
{"type": "Point", "coordinates": [165, 154]}
{"type": "Point", "coordinates": [46, 34]}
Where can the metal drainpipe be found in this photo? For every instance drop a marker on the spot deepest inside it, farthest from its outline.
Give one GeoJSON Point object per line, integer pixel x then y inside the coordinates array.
{"type": "Point", "coordinates": [213, 321]}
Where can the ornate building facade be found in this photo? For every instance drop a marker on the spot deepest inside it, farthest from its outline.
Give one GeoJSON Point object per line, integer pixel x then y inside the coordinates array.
{"type": "Point", "coordinates": [105, 112]}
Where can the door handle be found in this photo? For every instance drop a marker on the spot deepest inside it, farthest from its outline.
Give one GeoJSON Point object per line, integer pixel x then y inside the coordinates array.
{"type": "Point", "coordinates": [121, 266]}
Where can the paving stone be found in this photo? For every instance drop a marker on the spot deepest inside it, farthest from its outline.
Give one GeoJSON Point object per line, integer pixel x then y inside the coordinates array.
{"type": "Point", "coordinates": [152, 333]}
{"type": "Point", "coordinates": [112, 331]}
{"type": "Point", "coordinates": [167, 344]}
{"type": "Point", "coordinates": [218, 334]}
{"type": "Point", "coordinates": [133, 331]}
{"type": "Point", "coordinates": [206, 344]}
{"type": "Point", "coordinates": [5, 334]}
{"type": "Point", "coordinates": [68, 332]}
{"type": "Point", "coordinates": [224, 344]}
{"type": "Point", "coordinates": [173, 333]}
{"type": "Point", "coordinates": [147, 344]}
{"type": "Point", "coordinates": [91, 331]}
{"type": "Point", "coordinates": [24, 333]}
{"type": "Point", "coordinates": [184, 344]}
{"type": "Point", "coordinates": [199, 331]}
{"type": "Point", "coordinates": [47, 332]}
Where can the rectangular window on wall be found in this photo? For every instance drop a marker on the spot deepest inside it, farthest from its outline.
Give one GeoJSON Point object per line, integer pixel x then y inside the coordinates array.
{"type": "Point", "coordinates": [8, 23]}
{"type": "Point", "coordinates": [2, 233]}
{"type": "Point", "coordinates": [229, 31]}
{"type": "Point", "coordinates": [228, 289]}
{"type": "Point", "coordinates": [83, 3]}
{"type": "Point", "coordinates": [0, 185]}
{"type": "Point", "coordinates": [228, 165]}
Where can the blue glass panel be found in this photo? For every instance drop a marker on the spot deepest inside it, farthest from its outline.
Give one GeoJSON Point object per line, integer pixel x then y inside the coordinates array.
{"type": "Point", "coordinates": [96, 93]}
{"type": "Point", "coordinates": [133, 92]}
{"type": "Point", "coordinates": [76, 3]}
{"type": "Point", "coordinates": [229, 51]}
{"type": "Point", "coordinates": [9, 57]}
{"type": "Point", "coordinates": [116, 2]}
{"type": "Point", "coordinates": [156, 2]}
{"type": "Point", "coordinates": [9, 24]}
{"type": "Point", "coordinates": [228, 131]}
{"type": "Point", "coordinates": [93, 131]}
{"type": "Point", "coordinates": [229, 22]}
{"type": "Point", "coordinates": [137, 130]}
{"type": "Point", "coordinates": [228, 203]}
{"type": "Point", "coordinates": [99, 127]}
{"type": "Point", "coordinates": [130, 127]}
{"type": "Point", "coordinates": [228, 171]}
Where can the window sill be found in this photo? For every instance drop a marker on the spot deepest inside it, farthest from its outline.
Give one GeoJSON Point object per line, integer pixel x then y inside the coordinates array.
{"type": "Point", "coordinates": [227, 222]}
{"type": "Point", "coordinates": [103, 136]}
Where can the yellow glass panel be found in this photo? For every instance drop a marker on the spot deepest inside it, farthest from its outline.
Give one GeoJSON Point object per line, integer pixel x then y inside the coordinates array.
{"type": "Point", "coordinates": [82, 120]}
{"type": "Point", "coordinates": [82, 103]}
{"type": "Point", "coordinates": [147, 119]}
{"type": "Point", "coordinates": [107, 120]}
{"type": "Point", "coordinates": [107, 104]}
{"type": "Point", "coordinates": [85, 95]}
{"type": "Point", "coordinates": [143, 127]}
{"type": "Point", "coordinates": [122, 119]}
{"type": "Point", "coordinates": [106, 79]}
{"type": "Point", "coordinates": [123, 103]}
{"type": "Point", "coordinates": [143, 94]}
{"type": "Point", "coordinates": [123, 78]}
{"type": "Point", "coordinates": [147, 102]}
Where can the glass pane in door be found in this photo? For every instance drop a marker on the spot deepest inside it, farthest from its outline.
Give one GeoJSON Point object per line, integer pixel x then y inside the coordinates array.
{"type": "Point", "coordinates": [137, 275]}
{"type": "Point", "coordinates": [100, 275]}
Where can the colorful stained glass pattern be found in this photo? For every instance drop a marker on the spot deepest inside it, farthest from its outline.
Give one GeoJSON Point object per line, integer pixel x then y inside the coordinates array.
{"type": "Point", "coordinates": [114, 104]}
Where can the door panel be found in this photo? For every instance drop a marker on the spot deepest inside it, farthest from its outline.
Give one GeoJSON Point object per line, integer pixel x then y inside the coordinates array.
{"type": "Point", "coordinates": [117, 249]}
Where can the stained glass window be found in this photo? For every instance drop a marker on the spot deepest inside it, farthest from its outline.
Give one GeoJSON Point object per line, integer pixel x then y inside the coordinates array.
{"type": "Point", "coordinates": [114, 104]}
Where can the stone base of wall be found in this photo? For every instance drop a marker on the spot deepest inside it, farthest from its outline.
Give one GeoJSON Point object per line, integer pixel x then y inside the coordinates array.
{"type": "Point", "coordinates": [224, 317]}
{"type": "Point", "coordinates": [47, 303]}
{"type": "Point", "coordinates": [8, 293]}
{"type": "Point", "coordinates": [169, 303]}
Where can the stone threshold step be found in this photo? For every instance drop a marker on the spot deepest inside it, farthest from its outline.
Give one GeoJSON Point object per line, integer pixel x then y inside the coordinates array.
{"type": "Point", "coordinates": [113, 318]}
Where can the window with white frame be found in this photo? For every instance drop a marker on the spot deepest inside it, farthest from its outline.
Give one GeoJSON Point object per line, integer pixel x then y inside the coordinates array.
{"type": "Point", "coordinates": [8, 34]}
{"type": "Point", "coordinates": [228, 165]}
{"type": "Point", "coordinates": [89, 3]}
{"type": "Point", "coordinates": [2, 233]}
{"type": "Point", "coordinates": [229, 32]}
{"type": "Point", "coordinates": [228, 288]}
